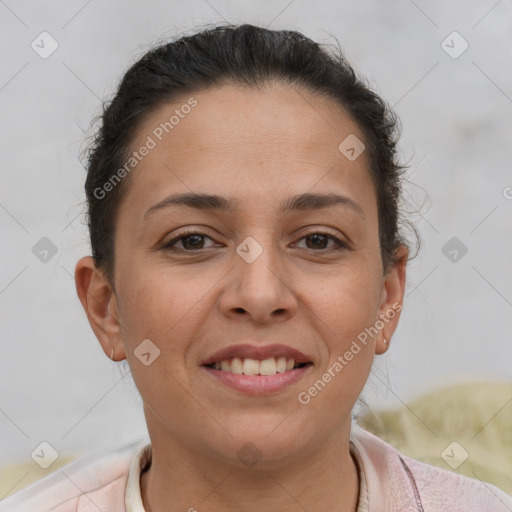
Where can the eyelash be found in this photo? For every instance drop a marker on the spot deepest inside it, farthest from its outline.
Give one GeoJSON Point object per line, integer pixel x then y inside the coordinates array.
{"type": "Point", "coordinates": [169, 245]}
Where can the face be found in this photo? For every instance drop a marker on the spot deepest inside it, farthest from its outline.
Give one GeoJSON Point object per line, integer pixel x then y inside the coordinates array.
{"type": "Point", "coordinates": [266, 263]}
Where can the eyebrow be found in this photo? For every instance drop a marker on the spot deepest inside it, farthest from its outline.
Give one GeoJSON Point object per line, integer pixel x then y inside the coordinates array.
{"type": "Point", "coordinates": [306, 201]}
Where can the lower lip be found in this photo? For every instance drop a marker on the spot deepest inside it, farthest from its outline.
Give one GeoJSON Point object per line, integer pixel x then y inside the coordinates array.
{"type": "Point", "coordinates": [258, 384]}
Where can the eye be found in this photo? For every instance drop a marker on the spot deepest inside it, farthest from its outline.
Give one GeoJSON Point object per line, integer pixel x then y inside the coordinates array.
{"type": "Point", "coordinates": [190, 241]}
{"type": "Point", "coordinates": [195, 240]}
{"type": "Point", "coordinates": [318, 241]}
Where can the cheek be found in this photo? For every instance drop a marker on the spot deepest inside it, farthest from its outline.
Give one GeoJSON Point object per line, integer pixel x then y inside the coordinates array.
{"type": "Point", "coordinates": [349, 308]}
{"type": "Point", "coordinates": [153, 306]}
{"type": "Point", "coordinates": [350, 301]}
{"type": "Point", "coordinates": [346, 308]}
{"type": "Point", "coordinates": [164, 304]}
{"type": "Point", "coordinates": [146, 303]}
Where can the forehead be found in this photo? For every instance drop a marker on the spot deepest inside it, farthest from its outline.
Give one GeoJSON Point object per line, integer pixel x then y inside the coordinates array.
{"type": "Point", "coordinates": [312, 124]}
{"type": "Point", "coordinates": [241, 140]}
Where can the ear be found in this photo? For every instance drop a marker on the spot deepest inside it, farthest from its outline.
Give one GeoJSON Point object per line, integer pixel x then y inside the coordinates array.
{"type": "Point", "coordinates": [100, 305]}
{"type": "Point", "coordinates": [393, 290]}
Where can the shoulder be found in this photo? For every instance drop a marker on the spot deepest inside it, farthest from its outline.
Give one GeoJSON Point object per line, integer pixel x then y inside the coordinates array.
{"type": "Point", "coordinates": [444, 490]}
{"type": "Point", "coordinates": [95, 482]}
{"type": "Point", "coordinates": [402, 483]}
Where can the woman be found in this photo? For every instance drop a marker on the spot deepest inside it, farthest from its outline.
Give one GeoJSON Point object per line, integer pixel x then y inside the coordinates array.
{"type": "Point", "coordinates": [243, 197]}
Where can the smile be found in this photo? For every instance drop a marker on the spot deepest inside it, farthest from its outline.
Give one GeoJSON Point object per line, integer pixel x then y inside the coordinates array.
{"type": "Point", "coordinates": [257, 369]}
{"type": "Point", "coordinates": [247, 366]}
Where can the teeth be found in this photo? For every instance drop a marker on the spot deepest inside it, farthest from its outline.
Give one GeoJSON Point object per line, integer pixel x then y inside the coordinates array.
{"type": "Point", "coordinates": [236, 366]}
{"type": "Point", "coordinates": [251, 367]}
{"type": "Point", "coordinates": [248, 366]}
{"type": "Point", "coordinates": [268, 367]}
{"type": "Point", "coordinates": [281, 364]}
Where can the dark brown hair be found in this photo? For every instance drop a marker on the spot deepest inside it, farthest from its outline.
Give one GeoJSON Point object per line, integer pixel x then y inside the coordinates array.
{"type": "Point", "coordinates": [246, 55]}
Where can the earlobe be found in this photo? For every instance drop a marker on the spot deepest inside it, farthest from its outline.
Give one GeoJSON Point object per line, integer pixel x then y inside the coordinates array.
{"type": "Point", "coordinates": [382, 345]}
{"type": "Point", "coordinates": [100, 305]}
{"type": "Point", "coordinates": [392, 298]}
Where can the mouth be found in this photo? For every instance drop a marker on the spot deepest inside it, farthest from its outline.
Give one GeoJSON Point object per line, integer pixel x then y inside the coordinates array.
{"type": "Point", "coordinates": [256, 369]}
{"type": "Point", "coordinates": [265, 367]}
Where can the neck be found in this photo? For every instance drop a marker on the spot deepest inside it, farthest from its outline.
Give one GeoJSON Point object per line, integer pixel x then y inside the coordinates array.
{"type": "Point", "coordinates": [180, 479]}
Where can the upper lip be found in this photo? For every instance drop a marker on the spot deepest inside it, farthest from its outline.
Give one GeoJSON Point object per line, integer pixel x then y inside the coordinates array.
{"type": "Point", "coordinates": [257, 352]}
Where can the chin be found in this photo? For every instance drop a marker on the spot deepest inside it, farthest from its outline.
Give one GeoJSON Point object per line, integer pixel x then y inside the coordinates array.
{"type": "Point", "coordinates": [267, 441]}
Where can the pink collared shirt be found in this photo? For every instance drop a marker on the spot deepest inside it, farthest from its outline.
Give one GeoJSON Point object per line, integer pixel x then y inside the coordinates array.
{"type": "Point", "coordinates": [389, 482]}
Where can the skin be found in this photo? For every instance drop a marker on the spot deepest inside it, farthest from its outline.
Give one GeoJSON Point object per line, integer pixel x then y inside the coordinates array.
{"type": "Point", "coordinates": [259, 147]}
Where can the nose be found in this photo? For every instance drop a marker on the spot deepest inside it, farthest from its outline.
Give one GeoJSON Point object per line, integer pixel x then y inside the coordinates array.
{"type": "Point", "coordinates": [259, 290]}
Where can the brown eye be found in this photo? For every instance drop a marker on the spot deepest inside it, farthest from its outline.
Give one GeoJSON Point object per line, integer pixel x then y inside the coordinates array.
{"type": "Point", "coordinates": [193, 241]}
{"type": "Point", "coordinates": [320, 242]}
{"type": "Point", "coordinates": [189, 242]}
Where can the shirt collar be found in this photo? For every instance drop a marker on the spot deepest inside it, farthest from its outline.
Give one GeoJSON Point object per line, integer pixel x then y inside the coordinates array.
{"type": "Point", "coordinates": [141, 461]}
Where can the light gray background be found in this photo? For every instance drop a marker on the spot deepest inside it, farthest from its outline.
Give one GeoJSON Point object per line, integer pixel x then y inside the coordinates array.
{"type": "Point", "coordinates": [56, 383]}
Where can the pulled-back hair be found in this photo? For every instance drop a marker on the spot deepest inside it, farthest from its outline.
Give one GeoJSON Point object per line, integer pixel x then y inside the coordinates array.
{"type": "Point", "coordinates": [243, 55]}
